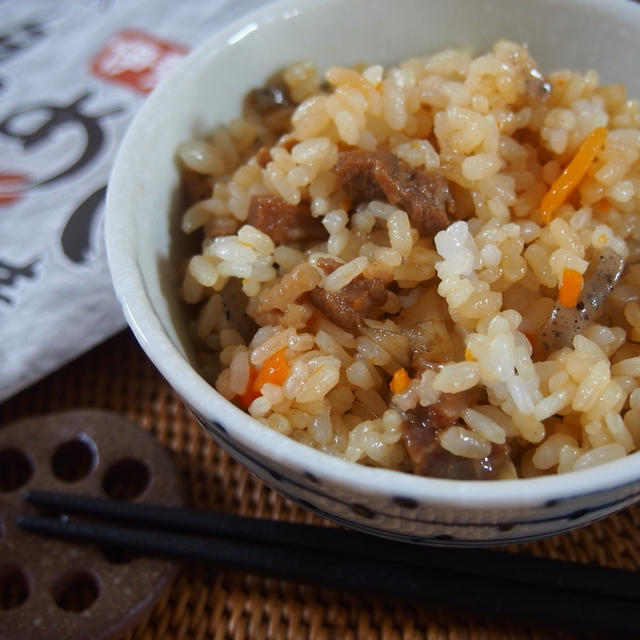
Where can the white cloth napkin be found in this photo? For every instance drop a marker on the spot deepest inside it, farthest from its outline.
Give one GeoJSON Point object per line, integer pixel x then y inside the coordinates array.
{"type": "Point", "coordinates": [72, 75]}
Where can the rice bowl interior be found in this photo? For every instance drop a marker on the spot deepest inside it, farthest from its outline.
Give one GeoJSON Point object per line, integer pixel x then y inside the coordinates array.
{"type": "Point", "coordinates": [158, 271]}
{"type": "Point", "coordinates": [438, 259]}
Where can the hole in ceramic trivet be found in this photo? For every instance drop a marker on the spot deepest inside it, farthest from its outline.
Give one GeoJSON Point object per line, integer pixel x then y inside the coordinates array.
{"type": "Point", "coordinates": [16, 469]}
{"type": "Point", "coordinates": [126, 479]}
{"type": "Point", "coordinates": [74, 460]}
{"type": "Point", "coordinates": [76, 590]}
{"type": "Point", "coordinates": [14, 587]}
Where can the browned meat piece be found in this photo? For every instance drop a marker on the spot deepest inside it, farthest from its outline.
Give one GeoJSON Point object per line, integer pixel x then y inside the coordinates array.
{"type": "Point", "coordinates": [283, 222]}
{"type": "Point", "coordinates": [270, 105]}
{"type": "Point", "coordinates": [269, 98]}
{"type": "Point", "coordinates": [328, 265]}
{"type": "Point", "coordinates": [289, 143]}
{"type": "Point", "coordinates": [379, 175]}
{"type": "Point", "coordinates": [420, 433]}
{"type": "Point", "coordinates": [354, 301]}
{"type": "Point", "coordinates": [196, 186]}
{"type": "Point", "coordinates": [263, 157]}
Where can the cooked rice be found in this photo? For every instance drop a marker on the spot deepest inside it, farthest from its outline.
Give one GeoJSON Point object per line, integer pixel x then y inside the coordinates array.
{"type": "Point", "coordinates": [481, 290]}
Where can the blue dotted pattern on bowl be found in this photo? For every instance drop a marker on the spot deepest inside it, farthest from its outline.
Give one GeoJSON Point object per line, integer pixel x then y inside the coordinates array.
{"type": "Point", "coordinates": [408, 524]}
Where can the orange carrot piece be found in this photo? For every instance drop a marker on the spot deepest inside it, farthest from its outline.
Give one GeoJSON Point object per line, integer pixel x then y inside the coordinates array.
{"type": "Point", "coordinates": [570, 288]}
{"type": "Point", "coordinates": [399, 381]}
{"type": "Point", "coordinates": [604, 205]}
{"type": "Point", "coordinates": [275, 370]}
{"type": "Point", "coordinates": [250, 393]}
{"type": "Point", "coordinates": [573, 173]}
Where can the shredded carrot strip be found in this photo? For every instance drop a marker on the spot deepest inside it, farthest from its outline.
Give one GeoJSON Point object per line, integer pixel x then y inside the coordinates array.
{"type": "Point", "coordinates": [570, 178]}
{"type": "Point", "coordinates": [570, 287]}
{"type": "Point", "coordinates": [250, 393]}
{"type": "Point", "coordinates": [468, 356]}
{"type": "Point", "coordinates": [275, 370]}
{"type": "Point", "coordinates": [399, 381]}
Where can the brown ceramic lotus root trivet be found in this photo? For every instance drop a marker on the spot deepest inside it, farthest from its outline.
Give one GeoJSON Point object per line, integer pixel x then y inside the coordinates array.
{"type": "Point", "coordinates": [52, 589]}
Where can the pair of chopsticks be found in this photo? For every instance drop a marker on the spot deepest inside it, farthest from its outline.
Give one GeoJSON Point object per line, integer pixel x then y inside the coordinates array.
{"type": "Point", "coordinates": [485, 582]}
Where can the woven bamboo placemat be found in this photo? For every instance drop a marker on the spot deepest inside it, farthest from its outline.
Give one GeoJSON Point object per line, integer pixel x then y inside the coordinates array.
{"type": "Point", "coordinates": [226, 605]}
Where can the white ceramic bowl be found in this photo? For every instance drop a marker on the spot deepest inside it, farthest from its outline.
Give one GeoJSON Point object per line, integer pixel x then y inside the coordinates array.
{"type": "Point", "coordinates": [143, 239]}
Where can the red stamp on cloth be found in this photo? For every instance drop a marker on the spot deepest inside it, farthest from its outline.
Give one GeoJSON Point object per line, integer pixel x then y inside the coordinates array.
{"type": "Point", "coordinates": [12, 185]}
{"type": "Point", "coordinates": [136, 59]}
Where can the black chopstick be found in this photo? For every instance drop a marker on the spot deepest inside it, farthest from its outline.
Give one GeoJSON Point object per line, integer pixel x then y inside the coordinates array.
{"type": "Point", "coordinates": [487, 582]}
{"type": "Point", "coordinates": [365, 576]}
{"type": "Point", "coordinates": [501, 565]}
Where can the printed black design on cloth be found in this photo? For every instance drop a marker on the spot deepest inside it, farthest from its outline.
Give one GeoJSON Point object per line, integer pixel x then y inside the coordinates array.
{"type": "Point", "coordinates": [60, 117]}
{"type": "Point", "coordinates": [39, 125]}
{"type": "Point", "coordinates": [76, 235]}
{"type": "Point", "coordinates": [10, 274]}
{"type": "Point", "coordinates": [21, 38]}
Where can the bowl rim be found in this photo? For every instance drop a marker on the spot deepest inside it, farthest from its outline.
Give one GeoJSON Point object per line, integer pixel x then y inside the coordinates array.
{"type": "Point", "coordinates": [131, 291]}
